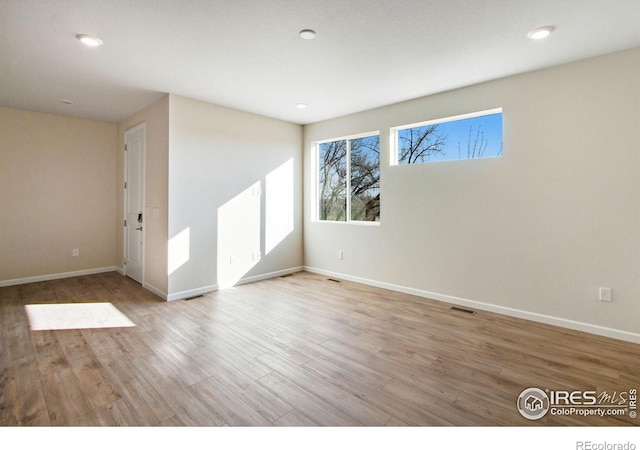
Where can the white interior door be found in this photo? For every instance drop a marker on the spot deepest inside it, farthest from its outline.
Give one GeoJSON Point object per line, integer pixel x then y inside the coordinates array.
{"type": "Point", "coordinates": [134, 203]}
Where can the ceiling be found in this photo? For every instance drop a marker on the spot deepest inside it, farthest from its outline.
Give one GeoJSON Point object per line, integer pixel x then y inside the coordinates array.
{"type": "Point", "coordinates": [247, 54]}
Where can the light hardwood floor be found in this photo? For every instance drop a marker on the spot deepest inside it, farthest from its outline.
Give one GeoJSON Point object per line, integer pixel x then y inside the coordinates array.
{"type": "Point", "coordinates": [292, 351]}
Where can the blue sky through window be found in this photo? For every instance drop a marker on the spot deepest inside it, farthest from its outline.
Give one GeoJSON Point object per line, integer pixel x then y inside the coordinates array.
{"type": "Point", "coordinates": [474, 137]}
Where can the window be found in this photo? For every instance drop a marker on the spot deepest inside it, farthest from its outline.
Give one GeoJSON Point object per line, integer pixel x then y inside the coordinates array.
{"type": "Point", "coordinates": [350, 165]}
{"type": "Point", "coordinates": [477, 135]}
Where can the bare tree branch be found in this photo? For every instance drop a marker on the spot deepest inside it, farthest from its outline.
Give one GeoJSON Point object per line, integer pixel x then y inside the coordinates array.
{"type": "Point", "coordinates": [419, 144]}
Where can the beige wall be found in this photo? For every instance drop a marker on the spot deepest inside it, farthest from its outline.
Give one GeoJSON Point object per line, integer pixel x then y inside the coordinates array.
{"type": "Point", "coordinates": [200, 156]}
{"type": "Point", "coordinates": [57, 193]}
{"type": "Point", "coordinates": [235, 196]}
{"type": "Point", "coordinates": [156, 120]}
{"type": "Point", "coordinates": [534, 233]}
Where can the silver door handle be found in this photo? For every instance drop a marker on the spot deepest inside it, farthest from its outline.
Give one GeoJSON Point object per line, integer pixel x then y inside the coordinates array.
{"type": "Point", "coordinates": [139, 229]}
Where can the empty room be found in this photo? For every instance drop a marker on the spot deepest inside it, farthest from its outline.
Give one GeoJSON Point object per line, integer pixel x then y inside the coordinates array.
{"type": "Point", "coordinates": [320, 214]}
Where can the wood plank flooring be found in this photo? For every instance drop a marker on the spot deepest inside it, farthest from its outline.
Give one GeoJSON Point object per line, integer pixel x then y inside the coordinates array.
{"type": "Point", "coordinates": [292, 351]}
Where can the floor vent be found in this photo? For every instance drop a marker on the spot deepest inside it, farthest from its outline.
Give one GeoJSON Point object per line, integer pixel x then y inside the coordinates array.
{"type": "Point", "coordinates": [194, 297]}
{"type": "Point", "coordinates": [286, 275]}
{"type": "Point", "coordinates": [333, 279]}
{"type": "Point", "coordinates": [463, 310]}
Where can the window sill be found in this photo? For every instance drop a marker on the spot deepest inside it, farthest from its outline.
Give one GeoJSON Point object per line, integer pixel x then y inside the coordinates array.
{"type": "Point", "coordinates": [351, 222]}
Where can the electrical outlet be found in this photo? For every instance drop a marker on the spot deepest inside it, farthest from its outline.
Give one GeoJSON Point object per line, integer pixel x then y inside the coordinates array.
{"type": "Point", "coordinates": [75, 252]}
{"type": "Point", "coordinates": [340, 254]}
{"type": "Point", "coordinates": [232, 260]}
{"type": "Point", "coordinates": [605, 294]}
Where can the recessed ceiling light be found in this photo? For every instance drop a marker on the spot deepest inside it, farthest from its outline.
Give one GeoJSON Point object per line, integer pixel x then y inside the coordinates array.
{"type": "Point", "coordinates": [301, 105]}
{"type": "Point", "coordinates": [89, 40]}
{"type": "Point", "coordinates": [541, 33]}
{"type": "Point", "coordinates": [307, 34]}
{"type": "Point", "coordinates": [66, 101]}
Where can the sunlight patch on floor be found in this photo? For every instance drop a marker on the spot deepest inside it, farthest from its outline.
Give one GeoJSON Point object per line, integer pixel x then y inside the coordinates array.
{"type": "Point", "coordinates": [73, 316]}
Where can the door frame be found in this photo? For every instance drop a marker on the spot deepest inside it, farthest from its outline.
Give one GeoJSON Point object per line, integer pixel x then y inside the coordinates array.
{"type": "Point", "coordinates": [141, 126]}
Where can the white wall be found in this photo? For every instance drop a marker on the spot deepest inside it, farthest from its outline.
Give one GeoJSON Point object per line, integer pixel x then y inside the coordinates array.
{"type": "Point", "coordinates": [534, 233]}
{"type": "Point", "coordinates": [235, 189]}
{"type": "Point", "coordinates": [57, 193]}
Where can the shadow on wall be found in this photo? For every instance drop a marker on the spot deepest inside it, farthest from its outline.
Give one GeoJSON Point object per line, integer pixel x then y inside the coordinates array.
{"type": "Point", "coordinates": [249, 226]}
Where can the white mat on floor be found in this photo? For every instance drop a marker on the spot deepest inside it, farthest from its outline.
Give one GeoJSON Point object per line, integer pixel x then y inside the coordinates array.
{"type": "Point", "coordinates": [73, 316]}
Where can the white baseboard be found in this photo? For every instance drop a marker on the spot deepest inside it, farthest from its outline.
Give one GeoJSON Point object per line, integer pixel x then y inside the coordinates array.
{"type": "Point", "coordinates": [56, 276]}
{"type": "Point", "coordinates": [223, 285]}
{"type": "Point", "coordinates": [264, 276]}
{"type": "Point", "coordinates": [191, 292]}
{"type": "Point", "coordinates": [521, 314]}
{"type": "Point", "coordinates": [159, 292]}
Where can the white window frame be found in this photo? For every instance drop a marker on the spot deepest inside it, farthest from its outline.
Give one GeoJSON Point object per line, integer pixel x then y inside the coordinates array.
{"type": "Point", "coordinates": [393, 138]}
{"type": "Point", "coordinates": [316, 170]}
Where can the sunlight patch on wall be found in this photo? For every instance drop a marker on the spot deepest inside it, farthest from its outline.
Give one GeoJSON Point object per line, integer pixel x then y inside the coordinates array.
{"type": "Point", "coordinates": [179, 250]}
{"type": "Point", "coordinates": [239, 235]}
{"type": "Point", "coordinates": [279, 203]}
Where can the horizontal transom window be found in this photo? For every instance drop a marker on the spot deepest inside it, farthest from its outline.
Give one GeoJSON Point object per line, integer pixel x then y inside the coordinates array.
{"type": "Point", "coordinates": [469, 136]}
